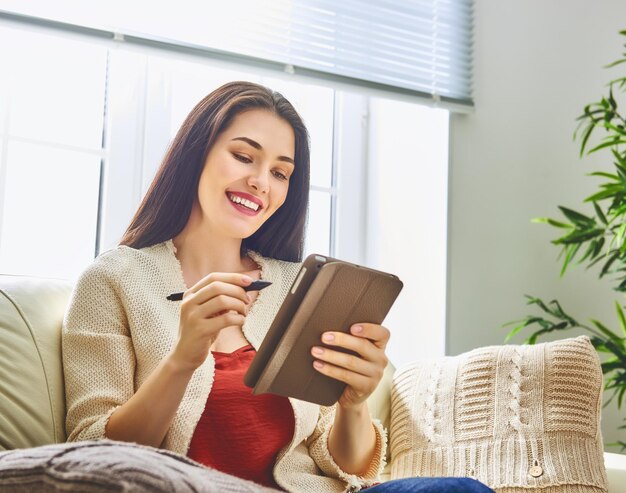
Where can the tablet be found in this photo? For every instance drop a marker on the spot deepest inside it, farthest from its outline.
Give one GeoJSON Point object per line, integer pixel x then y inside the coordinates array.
{"type": "Point", "coordinates": [327, 294]}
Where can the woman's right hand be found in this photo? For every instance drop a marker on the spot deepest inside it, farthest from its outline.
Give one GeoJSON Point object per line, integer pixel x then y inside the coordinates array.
{"type": "Point", "coordinates": [213, 303]}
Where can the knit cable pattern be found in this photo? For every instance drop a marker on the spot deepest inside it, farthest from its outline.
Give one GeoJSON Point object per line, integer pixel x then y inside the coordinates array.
{"type": "Point", "coordinates": [475, 390]}
{"type": "Point", "coordinates": [516, 417]}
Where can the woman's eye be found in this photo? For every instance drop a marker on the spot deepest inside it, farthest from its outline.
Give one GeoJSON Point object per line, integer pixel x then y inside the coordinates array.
{"type": "Point", "coordinates": [242, 158]}
{"type": "Point", "coordinates": [280, 176]}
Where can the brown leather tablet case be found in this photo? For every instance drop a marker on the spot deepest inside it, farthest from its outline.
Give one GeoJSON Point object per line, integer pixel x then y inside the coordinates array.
{"type": "Point", "coordinates": [327, 295]}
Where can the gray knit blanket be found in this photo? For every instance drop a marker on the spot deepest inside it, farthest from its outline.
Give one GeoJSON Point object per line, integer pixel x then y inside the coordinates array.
{"type": "Point", "coordinates": [109, 466]}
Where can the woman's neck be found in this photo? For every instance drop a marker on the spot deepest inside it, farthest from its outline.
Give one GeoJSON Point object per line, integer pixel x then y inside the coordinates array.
{"type": "Point", "coordinates": [200, 254]}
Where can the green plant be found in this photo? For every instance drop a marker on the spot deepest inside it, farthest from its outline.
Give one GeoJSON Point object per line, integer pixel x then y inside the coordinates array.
{"type": "Point", "coordinates": [598, 239]}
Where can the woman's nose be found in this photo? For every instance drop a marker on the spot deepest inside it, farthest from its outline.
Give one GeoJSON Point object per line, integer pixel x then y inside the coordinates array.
{"type": "Point", "coordinates": [259, 181]}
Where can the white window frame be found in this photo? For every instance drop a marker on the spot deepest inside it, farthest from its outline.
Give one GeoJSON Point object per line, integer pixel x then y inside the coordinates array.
{"type": "Point", "coordinates": [122, 186]}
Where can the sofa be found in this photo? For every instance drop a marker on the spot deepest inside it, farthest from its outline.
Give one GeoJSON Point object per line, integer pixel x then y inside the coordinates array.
{"type": "Point", "coordinates": [32, 404]}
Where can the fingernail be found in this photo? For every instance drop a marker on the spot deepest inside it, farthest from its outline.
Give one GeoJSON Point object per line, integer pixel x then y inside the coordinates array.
{"type": "Point", "coordinates": [328, 337]}
{"type": "Point", "coordinates": [357, 329]}
{"type": "Point", "coordinates": [318, 350]}
{"type": "Point", "coordinates": [246, 279]}
{"type": "Point", "coordinates": [318, 364]}
{"type": "Point", "coordinates": [249, 297]}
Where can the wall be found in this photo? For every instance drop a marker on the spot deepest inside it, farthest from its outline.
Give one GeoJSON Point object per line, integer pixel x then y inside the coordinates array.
{"type": "Point", "coordinates": [537, 64]}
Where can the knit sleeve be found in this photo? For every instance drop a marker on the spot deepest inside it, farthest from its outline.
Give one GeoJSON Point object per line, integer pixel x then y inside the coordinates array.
{"type": "Point", "coordinates": [318, 449]}
{"type": "Point", "coordinates": [98, 356]}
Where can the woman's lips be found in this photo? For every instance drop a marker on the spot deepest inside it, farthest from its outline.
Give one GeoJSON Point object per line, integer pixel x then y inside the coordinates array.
{"type": "Point", "coordinates": [242, 208]}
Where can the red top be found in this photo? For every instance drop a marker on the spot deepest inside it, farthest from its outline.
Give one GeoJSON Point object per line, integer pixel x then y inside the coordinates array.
{"type": "Point", "coordinates": [240, 433]}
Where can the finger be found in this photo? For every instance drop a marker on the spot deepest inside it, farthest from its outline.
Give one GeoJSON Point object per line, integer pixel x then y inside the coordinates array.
{"type": "Point", "coordinates": [231, 278]}
{"type": "Point", "coordinates": [226, 319]}
{"type": "Point", "coordinates": [217, 288]}
{"type": "Point", "coordinates": [364, 347]}
{"type": "Point", "coordinates": [378, 334]}
{"type": "Point", "coordinates": [220, 303]}
{"type": "Point", "coordinates": [362, 384]}
{"type": "Point", "coordinates": [347, 361]}
{"type": "Point", "coordinates": [231, 318]}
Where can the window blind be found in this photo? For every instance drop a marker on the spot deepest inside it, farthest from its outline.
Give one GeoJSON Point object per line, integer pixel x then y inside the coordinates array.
{"type": "Point", "coordinates": [419, 47]}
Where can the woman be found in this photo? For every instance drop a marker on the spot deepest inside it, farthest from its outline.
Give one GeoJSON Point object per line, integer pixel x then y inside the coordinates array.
{"type": "Point", "coordinates": [227, 206]}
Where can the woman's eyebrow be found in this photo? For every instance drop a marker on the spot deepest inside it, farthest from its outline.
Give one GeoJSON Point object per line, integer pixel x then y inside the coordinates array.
{"type": "Point", "coordinates": [258, 146]}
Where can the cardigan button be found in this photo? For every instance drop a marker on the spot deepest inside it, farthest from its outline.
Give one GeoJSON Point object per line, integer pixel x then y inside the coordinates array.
{"type": "Point", "coordinates": [536, 470]}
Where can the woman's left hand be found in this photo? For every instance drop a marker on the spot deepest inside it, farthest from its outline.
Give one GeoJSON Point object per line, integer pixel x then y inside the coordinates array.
{"type": "Point", "coordinates": [362, 372]}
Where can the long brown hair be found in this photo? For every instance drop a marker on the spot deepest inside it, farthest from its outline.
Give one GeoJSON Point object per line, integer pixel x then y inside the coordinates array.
{"type": "Point", "coordinates": [165, 209]}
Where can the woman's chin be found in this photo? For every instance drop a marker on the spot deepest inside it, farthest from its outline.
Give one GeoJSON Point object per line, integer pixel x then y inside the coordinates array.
{"type": "Point", "coordinates": [245, 228]}
{"type": "Point", "coordinates": [242, 233]}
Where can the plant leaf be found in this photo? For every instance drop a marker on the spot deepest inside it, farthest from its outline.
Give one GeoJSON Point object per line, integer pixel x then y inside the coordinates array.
{"type": "Point", "coordinates": [607, 265]}
{"type": "Point", "coordinates": [599, 213]}
{"type": "Point", "coordinates": [571, 253]}
{"type": "Point", "coordinates": [576, 217]}
{"type": "Point", "coordinates": [607, 332]}
{"type": "Point", "coordinates": [607, 143]}
{"type": "Point", "coordinates": [620, 316]}
{"type": "Point", "coordinates": [537, 301]}
{"type": "Point", "coordinates": [619, 237]}
{"type": "Point", "coordinates": [558, 312]}
{"type": "Point", "coordinates": [579, 236]}
{"type": "Point", "coordinates": [533, 338]}
{"type": "Point", "coordinates": [585, 138]}
{"type": "Point", "coordinates": [598, 248]}
{"type": "Point", "coordinates": [604, 175]}
{"type": "Point", "coordinates": [525, 323]}
{"type": "Point", "coordinates": [590, 249]}
{"type": "Point", "coordinates": [609, 366]}
{"type": "Point", "coordinates": [604, 194]}
{"type": "Point", "coordinates": [551, 222]}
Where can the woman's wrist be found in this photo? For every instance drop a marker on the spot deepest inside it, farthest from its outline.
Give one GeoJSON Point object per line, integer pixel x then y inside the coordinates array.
{"type": "Point", "coordinates": [174, 365]}
{"type": "Point", "coordinates": [353, 410]}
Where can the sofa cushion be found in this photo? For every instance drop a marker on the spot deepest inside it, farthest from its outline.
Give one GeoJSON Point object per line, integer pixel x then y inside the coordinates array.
{"type": "Point", "coordinates": [106, 465]}
{"type": "Point", "coordinates": [32, 399]}
{"type": "Point", "coordinates": [513, 417]}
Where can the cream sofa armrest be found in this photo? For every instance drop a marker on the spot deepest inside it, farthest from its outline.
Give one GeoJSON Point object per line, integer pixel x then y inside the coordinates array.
{"type": "Point", "coordinates": [615, 471]}
{"type": "Point", "coordinates": [32, 399]}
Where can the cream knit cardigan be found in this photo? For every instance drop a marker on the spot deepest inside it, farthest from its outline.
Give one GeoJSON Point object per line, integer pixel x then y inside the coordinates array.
{"type": "Point", "coordinates": [119, 326]}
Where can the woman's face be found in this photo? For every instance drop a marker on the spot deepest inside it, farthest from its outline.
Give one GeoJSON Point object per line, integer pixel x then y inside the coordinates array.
{"type": "Point", "coordinates": [245, 178]}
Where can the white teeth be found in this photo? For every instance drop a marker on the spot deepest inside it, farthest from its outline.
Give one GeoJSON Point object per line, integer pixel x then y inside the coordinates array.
{"type": "Point", "coordinates": [245, 202]}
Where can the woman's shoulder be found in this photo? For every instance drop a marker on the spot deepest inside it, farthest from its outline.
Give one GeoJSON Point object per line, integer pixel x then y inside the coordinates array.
{"type": "Point", "coordinates": [122, 260]}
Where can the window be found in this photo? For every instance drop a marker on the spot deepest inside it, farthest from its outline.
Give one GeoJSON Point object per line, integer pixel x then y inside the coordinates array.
{"type": "Point", "coordinates": [52, 121]}
{"type": "Point", "coordinates": [422, 48]}
{"type": "Point", "coordinates": [407, 210]}
{"type": "Point", "coordinates": [57, 212]}
{"type": "Point", "coordinates": [84, 124]}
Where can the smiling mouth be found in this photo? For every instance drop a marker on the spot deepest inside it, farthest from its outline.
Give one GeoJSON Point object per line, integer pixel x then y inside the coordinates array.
{"type": "Point", "coordinates": [247, 204]}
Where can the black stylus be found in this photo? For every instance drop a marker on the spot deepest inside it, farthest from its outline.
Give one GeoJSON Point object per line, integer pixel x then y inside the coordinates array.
{"type": "Point", "coordinates": [255, 286]}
